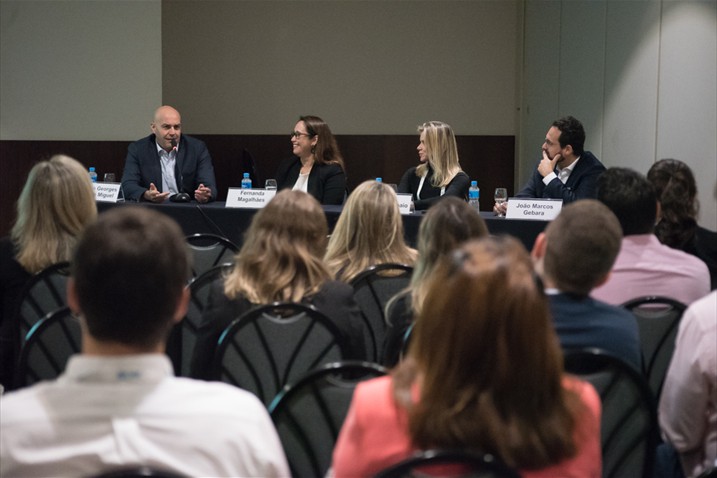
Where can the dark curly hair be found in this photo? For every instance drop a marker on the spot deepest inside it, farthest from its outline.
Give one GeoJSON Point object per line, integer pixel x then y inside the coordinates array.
{"type": "Point", "coordinates": [676, 190]}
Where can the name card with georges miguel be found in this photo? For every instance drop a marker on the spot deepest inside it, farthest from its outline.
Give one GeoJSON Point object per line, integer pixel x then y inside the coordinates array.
{"type": "Point", "coordinates": [537, 209]}
{"type": "Point", "coordinates": [249, 198]}
{"type": "Point", "coordinates": [107, 192]}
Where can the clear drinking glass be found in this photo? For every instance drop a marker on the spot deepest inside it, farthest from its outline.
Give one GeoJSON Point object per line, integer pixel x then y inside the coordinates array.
{"type": "Point", "coordinates": [501, 197]}
{"type": "Point", "coordinates": [109, 177]}
{"type": "Point", "coordinates": [270, 184]}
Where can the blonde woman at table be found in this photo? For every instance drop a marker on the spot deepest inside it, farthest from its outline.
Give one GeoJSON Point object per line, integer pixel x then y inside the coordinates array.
{"type": "Point", "coordinates": [439, 173]}
{"type": "Point", "coordinates": [280, 261]}
{"type": "Point", "coordinates": [55, 206]}
{"type": "Point", "coordinates": [484, 372]}
{"type": "Point", "coordinates": [369, 232]}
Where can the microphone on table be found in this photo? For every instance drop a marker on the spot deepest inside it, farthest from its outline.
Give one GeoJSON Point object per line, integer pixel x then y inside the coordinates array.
{"type": "Point", "coordinates": [181, 196]}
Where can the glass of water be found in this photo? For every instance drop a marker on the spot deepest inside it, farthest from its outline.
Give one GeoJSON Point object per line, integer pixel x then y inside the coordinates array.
{"type": "Point", "coordinates": [501, 197]}
{"type": "Point", "coordinates": [270, 185]}
{"type": "Point", "coordinates": [109, 177]}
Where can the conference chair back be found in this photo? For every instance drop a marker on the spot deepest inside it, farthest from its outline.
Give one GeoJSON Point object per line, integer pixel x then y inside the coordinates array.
{"type": "Point", "coordinates": [210, 250]}
{"type": "Point", "coordinates": [138, 472]}
{"type": "Point", "coordinates": [50, 343]}
{"type": "Point", "coordinates": [629, 421]}
{"type": "Point", "coordinates": [309, 413]}
{"type": "Point", "coordinates": [658, 319]}
{"type": "Point", "coordinates": [183, 337]}
{"type": "Point", "coordinates": [434, 463]}
{"type": "Point", "coordinates": [45, 292]}
{"type": "Point", "coordinates": [373, 288]}
{"type": "Point", "coordinates": [272, 345]}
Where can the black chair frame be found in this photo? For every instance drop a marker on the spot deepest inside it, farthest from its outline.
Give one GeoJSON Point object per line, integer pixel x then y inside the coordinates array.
{"type": "Point", "coordinates": [29, 302]}
{"type": "Point", "coordinates": [203, 243]}
{"type": "Point", "coordinates": [484, 463]}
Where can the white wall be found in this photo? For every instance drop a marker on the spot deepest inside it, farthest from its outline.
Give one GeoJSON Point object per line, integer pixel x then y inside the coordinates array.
{"type": "Point", "coordinates": [640, 75]}
{"type": "Point", "coordinates": [366, 67]}
{"type": "Point", "coordinates": [79, 70]}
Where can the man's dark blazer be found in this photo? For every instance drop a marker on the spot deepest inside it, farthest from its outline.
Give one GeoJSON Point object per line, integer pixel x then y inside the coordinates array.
{"type": "Point", "coordinates": [583, 322]}
{"type": "Point", "coordinates": [327, 182]}
{"type": "Point", "coordinates": [142, 167]}
{"type": "Point", "coordinates": [581, 184]}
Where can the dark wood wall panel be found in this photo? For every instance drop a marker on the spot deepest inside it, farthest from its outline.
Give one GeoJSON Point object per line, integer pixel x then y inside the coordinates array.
{"type": "Point", "coordinates": [489, 159]}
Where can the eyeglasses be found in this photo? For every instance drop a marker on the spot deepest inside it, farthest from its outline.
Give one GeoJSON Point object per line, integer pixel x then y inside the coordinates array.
{"type": "Point", "coordinates": [296, 134]}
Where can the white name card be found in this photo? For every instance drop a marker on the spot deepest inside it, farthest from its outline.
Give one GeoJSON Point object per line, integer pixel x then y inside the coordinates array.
{"type": "Point", "coordinates": [404, 203]}
{"type": "Point", "coordinates": [249, 198]}
{"type": "Point", "coordinates": [106, 192]}
{"type": "Point", "coordinates": [539, 209]}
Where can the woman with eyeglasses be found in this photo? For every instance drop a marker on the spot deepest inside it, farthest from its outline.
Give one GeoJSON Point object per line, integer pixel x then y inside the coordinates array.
{"type": "Point", "coordinates": [317, 167]}
{"type": "Point", "coordinates": [439, 173]}
{"type": "Point", "coordinates": [484, 373]}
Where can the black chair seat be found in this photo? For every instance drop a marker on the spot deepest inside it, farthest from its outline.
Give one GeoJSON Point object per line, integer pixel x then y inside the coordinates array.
{"type": "Point", "coordinates": [272, 345]}
{"type": "Point", "coordinates": [309, 413]}
{"type": "Point", "coordinates": [628, 425]}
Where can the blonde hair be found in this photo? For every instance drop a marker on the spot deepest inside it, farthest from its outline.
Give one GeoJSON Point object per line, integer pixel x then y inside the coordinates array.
{"type": "Point", "coordinates": [442, 153]}
{"type": "Point", "coordinates": [54, 207]}
{"type": "Point", "coordinates": [281, 256]}
{"type": "Point", "coordinates": [369, 232]}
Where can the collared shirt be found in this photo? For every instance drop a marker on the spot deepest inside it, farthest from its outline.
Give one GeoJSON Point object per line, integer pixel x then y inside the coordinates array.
{"type": "Point", "coordinates": [563, 174]}
{"type": "Point", "coordinates": [168, 161]}
{"type": "Point", "coordinates": [646, 267]}
{"type": "Point", "coordinates": [107, 412]}
{"type": "Point", "coordinates": [688, 404]}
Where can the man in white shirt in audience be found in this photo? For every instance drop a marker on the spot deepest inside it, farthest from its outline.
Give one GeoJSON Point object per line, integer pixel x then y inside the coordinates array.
{"type": "Point", "coordinates": [644, 266]}
{"type": "Point", "coordinates": [118, 403]}
{"type": "Point", "coordinates": [688, 403]}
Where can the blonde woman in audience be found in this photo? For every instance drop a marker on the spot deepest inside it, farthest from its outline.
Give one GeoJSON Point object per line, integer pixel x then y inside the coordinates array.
{"type": "Point", "coordinates": [484, 372]}
{"type": "Point", "coordinates": [280, 261]}
{"type": "Point", "coordinates": [369, 232]}
{"type": "Point", "coordinates": [446, 226]}
{"type": "Point", "coordinates": [439, 173]}
{"type": "Point", "coordinates": [54, 207]}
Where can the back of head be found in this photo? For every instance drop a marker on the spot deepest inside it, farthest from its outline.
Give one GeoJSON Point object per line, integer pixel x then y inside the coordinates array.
{"type": "Point", "coordinates": [571, 133]}
{"type": "Point", "coordinates": [631, 197]}
{"type": "Point", "coordinates": [130, 268]}
{"type": "Point", "coordinates": [484, 314]}
{"type": "Point", "coordinates": [281, 255]}
{"type": "Point", "coordinates": [442, 152]}
{"type": "Point", "coordinates": [582, 244]}
{"type": "Point", "coordinates": [369, 231]}
{"type": "Point", "coordinates": [326, 150]}
{"type": "Point", "coordinates": [448, 224]}
{"type": "Point", "coordinates": [676, 190]}
{"type": "Point", "coordinates": [55, 205]}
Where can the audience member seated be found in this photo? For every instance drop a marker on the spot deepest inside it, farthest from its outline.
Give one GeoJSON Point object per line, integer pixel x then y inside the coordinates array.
{"type": "Point", "coordinates": [280, 261]}
{"type": "Point", "coordinates": [446, 226]}
{"type": "Point", "coordinates": [566, 171]}
{"type": "Point", "coordinates": [369, 232]}
{"type": "Point", "coordinates": [677, 226]}
{"type": "Point", "coordinates": [118, 403]}
{"type": "Point", "coordinates": [317, 167]}
{"type": "Point", "coordinates": [167, 163]}
{"type": "Point", "coordinates": [484, 372]}
{"type": "Point", "coordinates": [644, 266]}
{"type": "Point", "coordinates": [688, 404]}
{"type": "Point", "coordinates": [54, 207]}
{"type": "Point", "coordinates": [574, 255]}
{"type": "Point", "coordinates": [439, 173]}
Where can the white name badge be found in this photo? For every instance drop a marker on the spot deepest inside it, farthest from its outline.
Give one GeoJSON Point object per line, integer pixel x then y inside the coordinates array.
{"type": "Point", "coordinates": [539, 209]}
{"type": "Point", "coordinates": [249, 198]}
{"type": "Point", "coordinates": [106, 192]}
{"type": "Point", "coordinates": [404, 203]}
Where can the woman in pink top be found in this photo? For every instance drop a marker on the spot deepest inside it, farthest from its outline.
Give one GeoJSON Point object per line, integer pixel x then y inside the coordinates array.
{"type": "Point", "coordinates": [484, 373]}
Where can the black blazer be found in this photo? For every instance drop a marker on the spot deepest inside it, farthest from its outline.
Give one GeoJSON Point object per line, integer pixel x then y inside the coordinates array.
{"type": "Point", "coordinates": [430, 195]}
{"type": "Point", "coordinates": [334, 299]}
{"type": "Point", "coordinates": [327, 182]}
{"type": "Point", "coordinates": [142, 167]}
{"type": "Point", "coordinates": [581, 184]}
